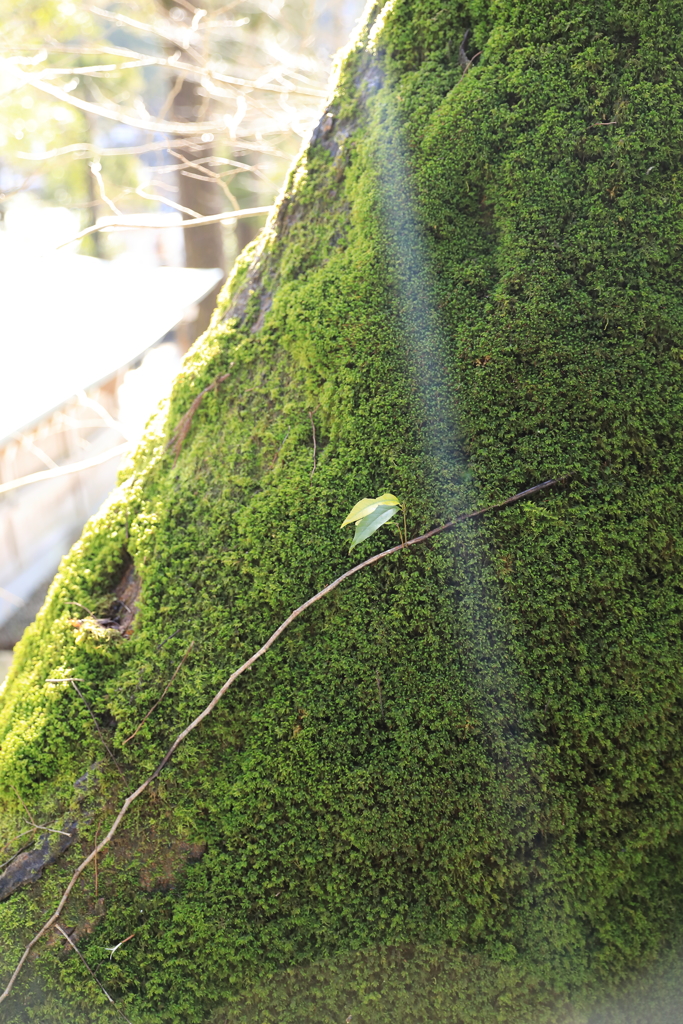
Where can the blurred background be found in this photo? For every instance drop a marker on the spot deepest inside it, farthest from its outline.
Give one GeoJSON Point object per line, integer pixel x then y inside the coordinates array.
{"type": "Point", "coordinates": [142, 144]}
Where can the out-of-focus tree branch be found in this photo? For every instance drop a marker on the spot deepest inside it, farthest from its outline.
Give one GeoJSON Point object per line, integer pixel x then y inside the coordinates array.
{"type": "Point", "coordinates": [115, 114]}
{"type": "Point", "coordinates": [204, 114]}
{"type": "Point", "coordinates": [208, 70]}
{"type": "Point", "coordinates": [123, 222]}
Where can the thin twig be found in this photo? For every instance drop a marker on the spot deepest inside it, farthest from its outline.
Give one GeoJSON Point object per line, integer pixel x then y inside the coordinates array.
{"type": "Point", "coordinates": [74, 683]}
{"type": "Point", "coordinates": [35, 827]}
{"type": "Point", "coordinates": [206, 70]}
{"type": "Point", "coordinates": [45, 828]}
{"type": "Point", "coordinates": [21, 801]}
{"type": "Point", "coordinates": [90, 972]}
{"type": "Point", "coordinates": [186, 421]}
{"type": "Point", "coordinates": [11, 598]}
{"type": "Point", "coordinates": [72, 467]}
{"type": "Point", "coordinates": [34, 449]}
{"type": "Point", "coordinates": [96, 171]}
{"type": "Point", "coordinates": [132, 797]}
{"type": "Point", "coordinates": [20, 850]}
{"type": "Point", "coordinates": [4, 196]}
{"type": "Point", "coordinates": [167, 687]}
{"type": "Point", "coordinates": [126, 222]}
{"type": "Point", "coordinates": [140, 191]}
{"type": "Point", "coordinates": [277, 453]}
{"type": "Point", "coordinates": [219, 161]}
{"type": "Point", "coordinates": [470, 62]}
{"type": "Point", "coordinates": [116, 114]}
{"type": "Point", "coordinates": [85, 608]}
{"type": "Point", "coordinates": [210, 175]}
{"type": "Point", "coordinates": [86, 150]}
{"type": "Point", "coordinates": [168, 102]}
{"type": "Point", "coordinates": [315, 446]}
{"type": "Point", "coordinates": [112, 949]}
{"type": "Point", "coordinates": [86, 400]}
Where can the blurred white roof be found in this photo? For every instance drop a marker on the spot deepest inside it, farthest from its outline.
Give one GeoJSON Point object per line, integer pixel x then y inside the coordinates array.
{"type": "Point", "coordinates": [68, 323]}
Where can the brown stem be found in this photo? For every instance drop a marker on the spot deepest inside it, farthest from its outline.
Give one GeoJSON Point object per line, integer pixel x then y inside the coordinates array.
{"type": "Point", "coordinates": [168, 686]}
{"type": "Point", "coordinates": [315, 446]}
{"type": "Point", "coordinates": [88, 969]}
{"type": "Point", "coordinates": [186, 421]}
{"type": "Point", "coordinates": [132, 797]}
{"type": "Point", "coordinates": [99, 731]}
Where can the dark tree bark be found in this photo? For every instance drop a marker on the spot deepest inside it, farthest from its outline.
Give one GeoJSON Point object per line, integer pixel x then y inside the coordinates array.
{"type": "Point", "coordinates": [204, 244]}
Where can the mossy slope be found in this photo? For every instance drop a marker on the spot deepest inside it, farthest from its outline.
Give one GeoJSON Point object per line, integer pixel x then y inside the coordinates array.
{"type": "Point", "coordinates": [451, 792]}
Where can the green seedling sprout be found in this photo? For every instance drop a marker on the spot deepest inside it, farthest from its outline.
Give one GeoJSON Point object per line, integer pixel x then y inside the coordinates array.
{"type": "Point", "coordinates": [370, 513]}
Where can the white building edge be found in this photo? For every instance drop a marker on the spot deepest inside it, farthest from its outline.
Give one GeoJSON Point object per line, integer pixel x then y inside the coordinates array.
{"type": "Point", "coordinates": [70, 328]}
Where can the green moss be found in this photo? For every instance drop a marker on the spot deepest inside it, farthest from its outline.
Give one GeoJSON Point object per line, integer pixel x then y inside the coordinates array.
{"type": "Point", "coordinates": [451, 791]}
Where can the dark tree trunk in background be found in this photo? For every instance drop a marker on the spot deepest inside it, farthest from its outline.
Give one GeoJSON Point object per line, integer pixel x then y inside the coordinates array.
{"type": "Point", "coordinates": [204, 244]}
{"type": "Point", "coordinates": [247, 228]}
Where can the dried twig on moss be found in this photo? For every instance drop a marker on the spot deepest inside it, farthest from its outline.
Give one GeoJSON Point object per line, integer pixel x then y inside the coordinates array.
{"type": "Point", "coordinates": [90, 972]}
{"type": "Point", "coordinates": [21, 848]}
{"type": "Point", "coordinates": [132, 797]}
{"type": "Point", "coordinates": [166, 689]}
{"type": "Point", "coordinates": [186, 421]}
{"type": "Point", "coordinates": [80, 693]}
{"type": "Point", "coordinates": [315, 445]}
{"type": "Point", "coordinates": [31, 821]}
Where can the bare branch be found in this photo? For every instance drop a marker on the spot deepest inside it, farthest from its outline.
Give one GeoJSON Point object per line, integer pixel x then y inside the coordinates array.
{"type": "Point", "coordinates": [88, 149]}
{"type": "Point", "coordinates": [183, 427]}
{"type": "Point", "coordinates": [87, 967]}
{"type": "Point", "coordinates": [315, 445]}
{"type": "Point", "coordinates": [132, 797]}
{"type": "Point", "coordinates": [168, 102]}
{"type": "Point", "coordinates": [115, 114]}
{"type": "Point", "coordinates": [21, 801]}
{"type": "Point", "coordinates": [220, 161]}
{"type": "Point", "coordinates": [209, 175]}
{"type": "Point", "coordinates": [96, 171]}
{"type": "Point", "coordinates": [26, 183]}
{"type": "Point", "coordinates": [168, 202]}
{"type": "Point", "coordinates": [157, 703]}
{"type": "Point", "coordinates": [200, 70]}
{"type": "Point", "coordinates": [26, 441]}
{"type": "Point", "coordinates": [118, 223]}
{"type": "Point", "coordinates": [153, 30]}
{"type": "Point", "coordinates": [73, 467]}
{"type": "Point", "coordinates": [81, 51]}
{"type": "Point", "coordinates": [97, 70]}
{"type": "Point", "coordinates": [44, 828]}
{"type": "Point", "coordinates": [11, 598]}
{"type": "Point", "coordinates": [91, 403]}
{"type": "Point", "coordinates": [74, 683]}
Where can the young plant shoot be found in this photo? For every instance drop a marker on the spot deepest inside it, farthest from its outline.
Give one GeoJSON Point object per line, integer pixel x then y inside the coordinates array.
{"type": "Point", "coordinates": [369, 514]}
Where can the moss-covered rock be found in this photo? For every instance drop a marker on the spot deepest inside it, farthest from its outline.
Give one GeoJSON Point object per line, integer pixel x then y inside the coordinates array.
{"type": "Point", "coordinates": [451, 791]}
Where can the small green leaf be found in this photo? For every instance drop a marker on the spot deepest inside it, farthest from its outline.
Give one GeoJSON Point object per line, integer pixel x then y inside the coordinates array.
{"type": "Point", "coordinates": [370, 523]}
{"type": "Point", "coordinates": [366, 506]}
{"type": "Point", "coordinates": [360, 509]}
